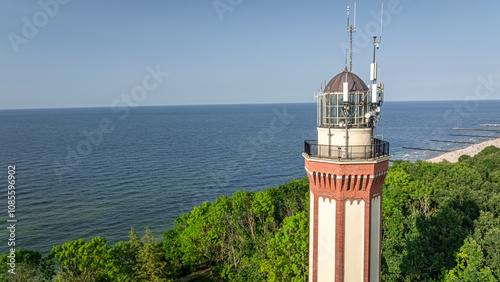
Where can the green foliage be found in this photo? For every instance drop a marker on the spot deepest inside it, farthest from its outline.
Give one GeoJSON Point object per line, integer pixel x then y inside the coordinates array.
{"type": "Point", "coordinates": [151, 263]}
{"type": "Point", "coordinates": [470, 264]}
{"type": "Point", "coordinates": [430, 209]}
{"type": "Point", "coordinates": [126, 254]}
{"type": "Point", "coordinates": [463, 158]}
{"type": "Point", "coordinates": [441, 222]}
{"type": "Point", "coordinates": [490, 150]}
{"type": "Point", "coordinates": [231, 236]}
{"type": "Point", "coordinates": [29, 266]}
{"type": "Point", "coordinates": [487, 233]}
{"type": "Point", "coordinates": [93, 261]}
{"type": "Point", "coordinates": [245, 237]}
{"type": "Point", "coordinates": [287, 252]}
{"type": "Point", "coordinates": [134, 260]}
{"type": "Point", "coordinates": [125, 258]}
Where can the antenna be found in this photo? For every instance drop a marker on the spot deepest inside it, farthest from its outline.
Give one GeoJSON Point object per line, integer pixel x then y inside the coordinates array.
{"type": "Point", "coordinates": [381, 19]}
{"type": "Point", "coordinates": [376, 89]}
{"type": "Point", "coordinates": [351, 28]}
{"type": "Point", "coordinates": [378, 74]}
{"type": "Point", "coordinates": [376, 41]}
{"type": "Point", "coordinates": [345, 58]}
{"type": "Point", "coordinates": [355, 14]}
{"type": "Point", "coordinates": [347, 17]}
{"type": "Point", "coordinates": [346, 112]}
{"type": "Point", "coordinates": [345, 91]}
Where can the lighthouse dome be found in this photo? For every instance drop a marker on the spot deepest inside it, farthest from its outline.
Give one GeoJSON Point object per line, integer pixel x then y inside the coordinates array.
{"type": "Point", "coordinates": [337, 82]}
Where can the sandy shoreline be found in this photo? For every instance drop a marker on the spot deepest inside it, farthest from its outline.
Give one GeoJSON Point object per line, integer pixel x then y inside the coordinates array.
{"type": "Point", "coordinates": [472, 150]}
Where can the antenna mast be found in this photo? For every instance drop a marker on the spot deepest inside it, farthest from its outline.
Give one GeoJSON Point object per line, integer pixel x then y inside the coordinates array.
{"type": "Point", "coordinates": [377, 89]}
{"type": "Point", "coordinates": [376, 41]}
{"type": "Point", "coordinates": [351, 28]}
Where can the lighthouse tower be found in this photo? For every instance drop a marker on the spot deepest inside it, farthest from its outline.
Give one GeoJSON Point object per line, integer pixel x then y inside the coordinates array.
{"type": "Point", "coordinates": [346, 167]}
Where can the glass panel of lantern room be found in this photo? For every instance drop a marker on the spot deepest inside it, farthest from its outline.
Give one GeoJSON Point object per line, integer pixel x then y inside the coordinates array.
{"type": "Point", "coordinates": [325, 110]}
{"type": "Point", "coordinates": [333, 98]}
{"type": "Point", "coordinates": [338, 106]}
{"type": "Point", "coordinates": [340, 114]}
{"type": "Point", "coordinates": [355, 115]}
{"type": "Point", "coordinates": [320, 110]}
{"type": "Point", "coordinates": [355, 108]}
{"type": "Point", "coordinates": [330, 110]}
{"type": "Point", "coordinates": [352, 106]}
{"type": "Point", "coordinates": [338, 109]}
{"type": "Point", "coordinates": [333, 112]}
{"type": "Point", "coordinates": [363, 107]}
{"type": "Point", "coordinates": [326, 115]}
{"type": "Point", "coordinates": [334, 108]}
{"type": "Point", "coordinates": [362, 111]}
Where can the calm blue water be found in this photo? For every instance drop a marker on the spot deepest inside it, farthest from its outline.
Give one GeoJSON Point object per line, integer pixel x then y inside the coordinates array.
{"type": "Point", "coordinates": [158, 162]}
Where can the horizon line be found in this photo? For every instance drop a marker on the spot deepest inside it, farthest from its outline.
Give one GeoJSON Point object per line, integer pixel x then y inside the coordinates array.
{"type": "Point", "coordinates": [213, 104]}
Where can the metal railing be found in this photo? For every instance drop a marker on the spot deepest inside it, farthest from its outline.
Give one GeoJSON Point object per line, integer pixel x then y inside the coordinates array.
{"type": "Point", "coordinates": [376, 150]}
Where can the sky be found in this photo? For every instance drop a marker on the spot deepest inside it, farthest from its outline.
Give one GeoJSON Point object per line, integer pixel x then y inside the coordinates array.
{"type": "Point", "coordinates": [75, 53]}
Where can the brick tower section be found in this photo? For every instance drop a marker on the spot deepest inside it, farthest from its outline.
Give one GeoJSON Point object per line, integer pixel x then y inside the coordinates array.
{"type": "Point", "coordinates": [341, 185]}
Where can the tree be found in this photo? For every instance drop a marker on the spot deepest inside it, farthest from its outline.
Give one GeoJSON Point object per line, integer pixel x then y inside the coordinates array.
{"type": "Point", "coordinates": [29, 266]}
{"type": "Point", "coordinates": [263, 209]}
{"type": "Point", "coordinates": [229, 237]}
{"type": "Point", "coordinates": [93, 261]}
{"type": "Point", "coordinates": [470, 264]}
{"type": "Point", "coordinates": [463, 158]}
{"type": "Point", "coordinates": [288, 250]}
{"type": "Point", "coordinates": [487, 234]}
{"type": "Point", "coordinates": [429, 209]}
{"type": "Point", "coordinates": [151, 264]}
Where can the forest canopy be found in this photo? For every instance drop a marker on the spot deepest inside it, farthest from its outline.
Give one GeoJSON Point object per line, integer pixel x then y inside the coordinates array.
{"type": "Point", "coordinates": [441, 222]}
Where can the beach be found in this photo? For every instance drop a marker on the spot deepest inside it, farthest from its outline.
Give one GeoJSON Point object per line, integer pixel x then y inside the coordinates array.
{"type": "Point", "coordinates": [472, 150]}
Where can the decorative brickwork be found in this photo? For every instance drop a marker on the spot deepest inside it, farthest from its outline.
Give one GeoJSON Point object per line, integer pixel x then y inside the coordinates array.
{"type": "Point", "coordinates": [344, 182]}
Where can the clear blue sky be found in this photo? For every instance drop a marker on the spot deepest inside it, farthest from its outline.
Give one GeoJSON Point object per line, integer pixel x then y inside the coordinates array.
{"type": "Point", "coordinates": [89, 53]}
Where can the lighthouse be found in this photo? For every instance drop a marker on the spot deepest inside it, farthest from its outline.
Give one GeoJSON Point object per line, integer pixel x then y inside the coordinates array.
{"type": "Point", "coordinates": [347, 166]}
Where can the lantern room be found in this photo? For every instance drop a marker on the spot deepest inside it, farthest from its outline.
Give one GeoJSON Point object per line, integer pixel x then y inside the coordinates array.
{"type": "Point", "coordinates": [332, 107]}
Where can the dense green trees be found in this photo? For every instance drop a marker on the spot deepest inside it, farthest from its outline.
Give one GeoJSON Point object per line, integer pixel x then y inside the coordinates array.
{"type": "Point", "coordinates": [441, 222]}
{"type": "Point", "coordinates": [249, 236]}
{"type": "Point", "coordinates": [150, 261]}
{"type": "Point", "coordinates": [81, 261]}
{"type": "Point", "coordinates": [29, 266]}
{"type": "Point", "coordinates": [287, 256]}
{"type": "Point", "coordinates": [470, 264]}
{"type": "Point", "coordinates": [231, 236]}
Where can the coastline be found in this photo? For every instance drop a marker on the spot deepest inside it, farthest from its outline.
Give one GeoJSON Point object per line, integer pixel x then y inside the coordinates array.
{"type": "Point", "coordinates": [471, 150]}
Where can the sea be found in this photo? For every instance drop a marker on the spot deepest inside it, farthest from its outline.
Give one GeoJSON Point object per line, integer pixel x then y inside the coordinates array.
{"type": "Point", "coordinates": [89, 172]}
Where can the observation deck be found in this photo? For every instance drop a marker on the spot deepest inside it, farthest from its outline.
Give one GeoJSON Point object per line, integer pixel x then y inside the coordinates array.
{"type": "Point", "coordinates": [377, 150]}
